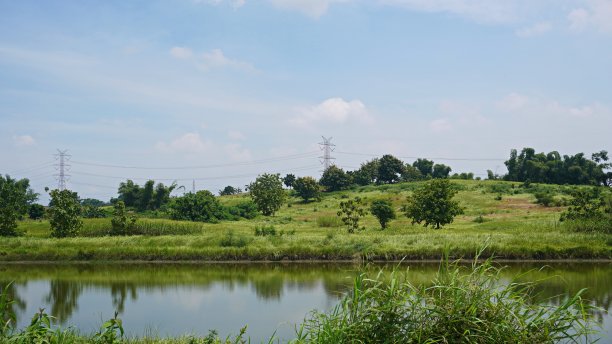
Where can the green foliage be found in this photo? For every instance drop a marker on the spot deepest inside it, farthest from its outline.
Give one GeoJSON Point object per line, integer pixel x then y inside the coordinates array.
{"type": "Point", "coordinates": [368, 173]}
{"type": "Point", "coordinates": [424, 166]}
{"type": "Point", "coordinates": [200, 206]}
{"type": "Point", "coordinates": [390, 169]}
{"type": "Point", "coordinates": [544, 198]}
{"type": "Point", "coordinates": [231, 239]}
{"type": "Point", "coordinates": [267, 193]}
{"type": "Point", "coordinates": [122, 223]}
{"type": "Point", "coordinates": [433, 204]}
{"type": "Point", "coordinates": [8, 318]}
{"type": "Point", "coordinates": [246, 210]}
{"type": "Point", "coordinates": [111, 332]}
{"type": "Point", "coordinates": [464, 305]}
{"type": "Point", "coordinates": [440, 171]}
{"type": "Point", "coordinates": [15, 197]}
{"type": "Point", "coordinates": [149, 197]}
{"type": "Point", "coordinates": [92, 202]}
{"type": "Point", "coordinates": [265, 230]}
{"type": "Point", "coordinates": [411, 174]}
{"type": "Point", "coordinates": [585, 204]}
{"type": "Point", "coordinates": [64, 214]}
{"type": "Point", "coordinates": [93, 212]}
{"type": "Point", "coordinates": [36, 211]}
{"type": "Point", "coordinates": [554, 169]}
{"type": "Point", "coordinates": [463, 176]}
{"type": "Point", "coordinates": [288, 180]}
{"type": "Point", "coordinates": [383, 211]}
{"type": "Point", "coordinates": [351, 211]}
{"type": "Point", "coordinates": [229, 190]}
{"type": "Point", "coordinates": [144, 226]}
{"type": "Point", "coordinates": [335, 179]}
{"type": "Point", "coordinates": [307, 188]}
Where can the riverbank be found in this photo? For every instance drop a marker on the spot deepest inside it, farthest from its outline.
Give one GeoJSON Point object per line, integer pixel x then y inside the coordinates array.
{"type": "Point", "coordinates": [501, 214]}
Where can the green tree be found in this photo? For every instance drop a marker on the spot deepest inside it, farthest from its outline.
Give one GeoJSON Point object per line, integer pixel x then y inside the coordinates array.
{"type": "Point", "coordinates": [267, 192]}
{"type": "Point", "coordinates": [441, 171]}
{"type": "Point", "coordinates": [122, 223]}
{"type": "Point", "coordinates": [307, 188]}
{"type": "Point", "coordinates": [585, 204]}
{"type": "Point", "coordinates": [129, 193]}
{"type": "Point", "coordinates": [36, 211]}
{"type": "Point", "coordinates": [229, 190]}
{"type": "Point", "coordinates": [390, 169]}
{"type": "Point", "coordinates": [15, 197]}
{"type": "Point", "coordinates": [424, 166]}
{"type": "Point", "coordinates": [433, 204]}
{"type": "Point", "coordinates": [351, 211]}
{"type": "Point", "coordinates": [368, 173]}
{"type": "Point", "coordinates": [200, 206]}
{"type": "Point", "coordinates": [383, 211]}
{"type": "Point", "coordinates": [162, 194]}
{"type": "Point", "coordinates": [334, 179]}
{"type": "Point", "coordinates": [145, 199]}
{"type": "Point", "coordinates": [289, 180]}
{"type": "Point", "coordinates": [91, 212]}
{"type": "Point", "coordinates": [64, 212]}
{"type": "Point", "coordinates": [411, 173]}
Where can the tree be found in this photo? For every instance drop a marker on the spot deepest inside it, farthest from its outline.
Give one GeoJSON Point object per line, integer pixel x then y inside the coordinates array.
{"type": "Point", "coordinates": [433, 204]}
{"type": "Point", "coordinates": [351, 211]}
{"type": "Point", "coordinates": [368, 173]}
{"type": "Point", "coordinates": [129, 193]}
{"type": "Point", "coordinates": [267, 192]}
{"type": "Point", "coordinates": [424, 166]}
{"type": "Point", "coordinates": [411, 173]}
{"type": "Point", "coordinates": [229, 190]}
{"type": "Point", "coordinates": [64, 211]}
{"type": "Point", "coordinates": [92, 202]}
{"type": "Point", "coordinates": [91, 212]}
{"type": "Point", "coordinates": [441, 171]}
{"type": "Point", "coordinates": [390, 169]}
{"type": "Point", "coordinates": [36, 211]}
{"type": "Point", "coordinates": [200, 206]}
{"type": "Point", "coordinates": [335, 179]}
{"type": "Point", "coordinates": [307, 188]}
{"type": "Point", "coordinates": [145, 199]}
{"type": "Point", "coordinates": [15, 197]}
{"type": "Point", "coordinates": [289, 180]}
{"type": "Point", "coordinates": [121, 223]}
{"type": "Point", "coordinates": [383, 211]}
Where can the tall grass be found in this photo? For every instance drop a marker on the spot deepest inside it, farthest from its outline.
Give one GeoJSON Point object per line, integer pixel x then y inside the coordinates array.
{"type": "Point", "coordinates": [150, 227]}
{"type": "Point", "coordinates": [329, 221]}
{"type": "Point", "coordinates": [462, 306]}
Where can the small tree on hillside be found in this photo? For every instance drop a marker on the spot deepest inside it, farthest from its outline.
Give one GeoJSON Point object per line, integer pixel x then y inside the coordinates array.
{"type": "Point", "coordinates": [267, 192]}
{"type": "Point", "coordinates": [390, 169]}
{"type": "Point", "coordinates": [351, 211]}
{"type": "Point", "coordinates": [334, 179]}
{"type": "Point", "coordinates": [121, 223]}
{"type": "Point", "coordinates": [433, 204]}
{"type": "Point", "coordinates": [289, 180]}
{"type": "Point", "coordinates": [440, 171]}
{"type": "Point", "coordinates": [64, 212]}
{"type": "Point", "coordinates": [36, 211]}
{"type": "Point", "coordinates": [200, 206]}
{"type": "Point", "coordinates": [383, 211]}
{"type": "Point", "coordinates": [307, 188]}
{"type": "Point", "coordinates": [229, 190]}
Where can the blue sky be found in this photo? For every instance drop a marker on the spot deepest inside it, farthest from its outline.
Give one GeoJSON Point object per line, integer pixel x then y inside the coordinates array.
{"type": "Point", "coordinates": [211, 82]}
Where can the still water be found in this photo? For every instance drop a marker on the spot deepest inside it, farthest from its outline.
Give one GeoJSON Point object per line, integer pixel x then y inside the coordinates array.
{"type": "Point", "coordinates": [175, 299]}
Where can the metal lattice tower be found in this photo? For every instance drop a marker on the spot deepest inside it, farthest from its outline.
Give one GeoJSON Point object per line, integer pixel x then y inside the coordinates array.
{"type": "Point", "coordinates": [327, 148]}
{"type": "Point", "coordinates": [62, 167]}
{"type": "Point", "coordinates": [193, 187]}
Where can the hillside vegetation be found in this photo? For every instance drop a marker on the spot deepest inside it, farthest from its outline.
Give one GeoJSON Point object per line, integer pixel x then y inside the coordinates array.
{"type": "Point", "coordinates": [504, 214]}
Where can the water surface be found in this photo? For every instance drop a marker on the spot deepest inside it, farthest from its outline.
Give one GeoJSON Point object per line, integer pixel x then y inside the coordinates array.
{"type": "Point", "coordinates": [175, 299]}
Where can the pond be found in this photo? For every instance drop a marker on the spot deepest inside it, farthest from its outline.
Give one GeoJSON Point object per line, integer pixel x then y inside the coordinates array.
{"type": "Point", "coordinates": [176, 299]}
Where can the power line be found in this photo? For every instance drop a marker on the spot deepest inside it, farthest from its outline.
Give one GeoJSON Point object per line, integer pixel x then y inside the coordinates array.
{"type": "Point", "coordinates": [420, 157]}
{"type": "Point", "coordinates": [242, 163]}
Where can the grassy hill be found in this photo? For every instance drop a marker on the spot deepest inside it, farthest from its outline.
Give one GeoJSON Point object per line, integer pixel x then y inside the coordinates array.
{"type": "Point", "coordinates": [504, 214]}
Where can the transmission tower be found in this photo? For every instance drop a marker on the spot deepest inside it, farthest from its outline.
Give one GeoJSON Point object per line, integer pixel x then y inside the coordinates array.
{"type": "Point", "coordinates": [327, 148]}
{"type": "Point", "coordinates": [193, 186]}
{"type": "Point", "coordinates": [62, 167]}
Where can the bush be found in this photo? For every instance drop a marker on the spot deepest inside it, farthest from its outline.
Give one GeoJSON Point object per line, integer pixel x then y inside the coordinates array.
{"type": "Point", "coordinates": [201, 206]}
{"type": "Point", "coordinates": [601, 224]}
{"type": "Point", "coordinates": [307, 188]}
{"type": "Point", "coordinates": [267, 193]}
{"type": "Point", "coordinates": [232, 240]}
{"type": "Point", "coordinates": [351, 212]}
{"type": "Point", "coordinates": [64, 214]}
{"type": "Point", "coordinates": [265, 230]}
{"type": "Point", "coordinates": [36, 211]}
{"type": "Point", "coordinates": [121, 223]}
{"type": "Point", "coordinates": [383, 211]}
{"type": "Point", "coordinates": [433, 204]}
{"type": "Point", "coordinates": [544, 198]}
{"type": "Point", "coordinates": [15, 196]}
{"type": "Point", "coordinates": [462, 306]}
{"type": "Point", "coordinates": [246, 210]}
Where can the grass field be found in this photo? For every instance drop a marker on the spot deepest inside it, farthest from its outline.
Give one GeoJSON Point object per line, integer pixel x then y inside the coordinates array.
{"type": "Point", "coordinates": [500, 213]}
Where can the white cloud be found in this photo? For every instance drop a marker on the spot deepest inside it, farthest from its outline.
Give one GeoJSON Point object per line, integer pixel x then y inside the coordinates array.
{"type": "Point", "coordinates": [236, 135]}
{"type": "Point", "coordinates": [512, 102]}
{"type": "Point", "coordinates": [534, 30]}
{"type": "Point", "coordinates": [181, 53]}
{"type": "Point", "coordinates": [441, 125]}
{"type": "Point", "coordinates": [597, 14]}
{"type": "Point", "coordinates": [187, 143]}
{"type": "Point", "coordinates": [23, 140]}
{"type": "Point", "coordinates": [333, 110]}
{"type": "Point", "coordinates": [210, 59]}
{"type": "Point", "coordinates": [493, 11]}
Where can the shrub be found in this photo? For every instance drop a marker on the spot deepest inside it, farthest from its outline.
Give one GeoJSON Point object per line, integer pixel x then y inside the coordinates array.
{"type": "Point", "coordinates": [36, 211]}
{"type": "Point", "coordinates": [544, 198]}
{"type": "Point", "coordinates": [201, 206]}
{"type": "Point", "coordinates": [265, 230]}
{"type": "Point", "coordinates": [121, 223]}
{"type": "Point", "coordinates": [601, 224]}
{"type": "Point", "coordinates": [246, 210]}
{"type": "Point", "coordinates": [230, 239]}
{"type": "Point", "coordinates": [383, 211]}
{"type": "Point", "coordinates": [307, 188]}
{"type": "Point", "coordinates": [267, 193]}
{"type": "Point", "coordinates": [64, 214]}
{"type": "Point", "coordinates": [15, 196]}
{"type": "Point", "coordinates": [92, 212]}
{"type": "Point", "coordinates": [462, 306]}
{"type": "Point", "coordinates": [351, 212]}
{"type": "Point", "coordinates": [433, 204]}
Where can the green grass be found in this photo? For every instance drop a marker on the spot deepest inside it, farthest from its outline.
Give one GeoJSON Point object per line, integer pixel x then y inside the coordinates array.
{"type": "Point", "coordinates": [515, 227]}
